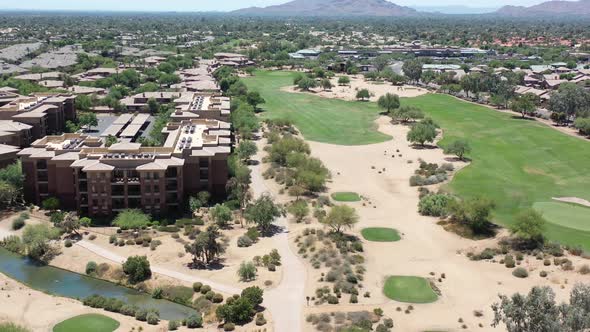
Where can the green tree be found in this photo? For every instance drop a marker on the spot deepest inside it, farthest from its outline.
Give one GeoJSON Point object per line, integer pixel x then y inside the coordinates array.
{"type": "Point", "coordinates": [131, 219]}
{"type": "Point", "coordinates": [473, 212]}
{"type": "Point", "coordinates": [413, 69]}
{"type": "Point", "coordinates": [50, 203]}
{"type": "Point", "coordinates": [307, 83]}
{"type": "Point", "coordinates": [326, 84]}
{"type": "Point", "coordinates": [247, 271]}
{"type": "Point", "coordinates": [137, 269]}
{"type": "Point", "coordinates": [538, 311]}
{"type": "Point", "coordinates": [406, 113]}
{"type": "Point", "coordinates": [246, 149]}
{"type": "Point", "coordinates": [299, 209]}
{"type": "Point", "coordinates": [583, 126]}
{"type": "Point", "coordinates": [83, 103]}
{"type": "Point", "coordinates": [459, 147]}
{"type": "Point", "coordinates": [529, 226]}
{"type": "Point", "coordinates": [70, 223]}
{"type": "Point", "coordinates": [253, 294]}
{"type": "Point", "coordinates": [37, 241]}
{"type": "Point", "coordinates": [341, 217]}
{"type": "Point", "coordinates": [153, 106]}
{"type": "Point", "coordinates": [343, 80]}
{"type": "Point", "coordinates": [110, 140]}
{"type": "Point", "coordinates": [263, 212]}
{"type": "Point", "coordinates": [221, 214]}
{"type": "Point", "coordinates": [205, 248]}
{"type": "Point", "coordinates": [363, 95]}
{"type": "Point", "coordinates": [571, 100]}
{"type": "Point", "coordinates": [525, 104]}
{"type": "Point", "coordinates": [421, 133]}
{"type": "Point", "coordinates": [88, 120]}
{"type": "Point", "coordinates": [388, 102]}
{"type": "Point", "coordinates": [254, 99]}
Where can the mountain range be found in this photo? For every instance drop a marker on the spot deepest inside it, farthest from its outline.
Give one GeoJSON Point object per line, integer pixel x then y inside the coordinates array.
{"type": "Point", "coordinates": [384, 8]}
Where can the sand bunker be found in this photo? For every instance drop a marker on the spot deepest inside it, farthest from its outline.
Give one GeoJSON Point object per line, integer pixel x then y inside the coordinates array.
{"type": "Point", "coordinates": [575, 200]}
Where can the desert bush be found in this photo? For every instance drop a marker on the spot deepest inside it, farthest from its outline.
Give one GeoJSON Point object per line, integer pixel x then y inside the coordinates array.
{"type": "Point", "coordinates": [253, 234]}
{"type": "Point", "coordinates": [194, 321]}
{"type": "Point", "coordinates": [91, 267]}
{"type": "Point", "coordinates": [13, 243]}
{"type": "Point", "coordinates": [244, 241]}
{"type": "Point", "coordinates": [229, 326]}
{"type": "Point", "coordinates": [520, 272]}
{"type": "Point", "coordinates": [68, 243]}
{"type": "Point", "coordinates": [260, 320]}
{"type": "Point", "coordinates": [18, 223]}
{"type": "Point", "coordinates": [197, 286]}
{"type": "Point", "coordinates": [128, 310]}
{"type": "Point", "coordinates": [173, 325]}
{"type": "Point", "coordinates": [152, 318]}
{"type": "Point", "coordinates": [178, 294]}
{"type": "Point", "coordinates": [354, 299]}
{"type": "Point", "coordinates": [509, 261]}
{"type": "Point", "coordinates": [434, 205]}
{"type": "Point", "coordinates": [141, 314]}
{"type": "Point", "coordinates": [217, 298]}
{"type": "Point", "coordinates": [584, 269]}
{"type": "Point", "coordinates": [113, 239]}
{"type": "Point", "coordinates": [205, 289]}
{"type": "Point", "coordinates": [543, 274]}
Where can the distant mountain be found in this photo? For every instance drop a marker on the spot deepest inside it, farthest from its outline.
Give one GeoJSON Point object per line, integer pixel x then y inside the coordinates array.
{"type": "Point", "coordinates": [549, 8]}
{"type": "Point", "coordinates": [331, 8]}
{"type": "Point", "coordinates": [458, 10]}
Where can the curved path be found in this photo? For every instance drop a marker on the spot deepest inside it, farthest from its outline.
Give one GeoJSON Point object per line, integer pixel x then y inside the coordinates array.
{"type": "Point", "coordinates": [105, 253]}
{"type": "Point", "coordinates": [285, 302]}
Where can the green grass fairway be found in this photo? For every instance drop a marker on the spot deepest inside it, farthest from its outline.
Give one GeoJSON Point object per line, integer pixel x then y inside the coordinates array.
{"type": "Point", "coordinates": [565, 214]}
{"type": "Point", "coordinates": [346, 197]}
{"type": "Point", "coordinates": [319, 119]}
{"type": "Point", "coordinates": [516, 162]}
{"type": "Point", "coordinates": [380, 234]}
{"type": "Point", "coordinates": [409, 289]}
{"type": "Point", "coordinates": [87, 323]}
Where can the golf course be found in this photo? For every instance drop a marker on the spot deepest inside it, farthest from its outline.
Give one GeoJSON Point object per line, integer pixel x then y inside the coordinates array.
{"type": "Point", "coordinates": [517, 163]}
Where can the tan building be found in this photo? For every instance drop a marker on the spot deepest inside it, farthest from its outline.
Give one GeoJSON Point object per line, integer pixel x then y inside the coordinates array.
{"type": "Point", "coordinates": [188, 105]}
{"type": "Point", "coordinates": [97, 180]}
{"type": "Point", "coordinates": [15, 133]}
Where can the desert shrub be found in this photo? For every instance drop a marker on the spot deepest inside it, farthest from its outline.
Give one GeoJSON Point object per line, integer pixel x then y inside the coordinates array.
{"type": "Point", "coordinates": [584, 269]}
{"type": "Point", "coordinates": [173, 325]}
{"type": "Point", "coordinates": [388, 322]}
{"type": "Point", "coordinates": [113, 239]}
{"type": "Point", "coordinates": [217, 298]}
{"type": "Point", "coordinates": [247, 271]}
{"type": "Point", "coordinates": [68, 243]}
{"type": "Point", "coordinates": [332, 299]}
{"type": "Point", "coordinates": [354, 299]}
{"type": "Point", "coordinates": [509, 261]}
{"type": "Point", "coordinates": [130, 242]}
{"type": "Point", "coordinates": [169, 229]}
{"type": "Point", "coordinates": [260, 320]}
{"type": "Point", "coordinates": [543, 274]}
{"type": "Point", "coordinates": [197, 286]}
{"type": "Point", "coordinates": [253, 234]}
{"type": "Point", "coordinates": [92, 237]}
{"type": "Point", "coordinates": [141, 314]}
{"type": "Point", "coordinates": [91, 267]}
{"type": "Point", "coordinates": [18, 223]}
{"type": "Point", "coordinates": [179, 294]}
{"type": "Point", "coordinates": [417, 180]}
{"type": "Point", "coordinates": [487, 253]}
{"type": "Point", "coordinates": [194, 321]}
{"type": "Point", "coordinates": [546, 262]}
{"type": "Point", "coordinates": [128, 310]}
{"type": "Point", "coordinates": [229, 326]}
{"type": "Point", "coordinates": [153, 318]}
{"type": "Point", "coordinates": [13, 243]}
{"type": "Point", "coordinates": [434, 205]}
{"type": "Point", "coordinates": [158, 293]}
{"type": "Point", "coordinates": [137, 268]}
{"type": "Point", "coordinates": [244, 241]}
{"type": "Point", "coordinates": [209, 295]}
{"type": "Point", "coordinates": [567, 265]}
{"type": "Point", "coordinates": [520, 272]}
{"type": "Point", "coordinates": [205, 289]}
{"type": "Point", "coordinates": [271, 267]}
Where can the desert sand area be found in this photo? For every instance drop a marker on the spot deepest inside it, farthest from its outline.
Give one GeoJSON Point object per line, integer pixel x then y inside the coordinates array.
{"type": "Point", "coordinates": [358, 82]}
{"type": "Point", "coordinates": [425, 247]}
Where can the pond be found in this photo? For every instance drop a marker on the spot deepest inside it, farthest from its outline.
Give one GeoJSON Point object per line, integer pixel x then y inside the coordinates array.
{"type": "Point", "coordinates": [60, 282]}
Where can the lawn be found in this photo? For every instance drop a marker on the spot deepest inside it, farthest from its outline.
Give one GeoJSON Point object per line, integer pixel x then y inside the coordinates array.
{"type": "Point", "coordinates": [517, 163]}
{"type": "Point", "coordinates": [319, 119]}
{"type": "Point", "coordinates": [566, 214]}
{"type": "Point", "coordinates": [379, 234]}
{"type": "Point", "coordinates": [87, 323]}
{"type": "Point", "coordinates": [346, 197]}
{"type": "Point", "coordinates": [409, 289]}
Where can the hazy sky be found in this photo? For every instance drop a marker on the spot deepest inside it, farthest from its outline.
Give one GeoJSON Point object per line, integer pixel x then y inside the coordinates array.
{"type": "Point", "coordinates": [215, 5]}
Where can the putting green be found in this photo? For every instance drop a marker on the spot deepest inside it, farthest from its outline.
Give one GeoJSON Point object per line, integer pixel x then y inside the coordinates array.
{"type": "Point", "coordinates": [380, 234]}
{"type": "Point", "coordinates": [565, 214]}
{"type": "Point", "coordinates": [87, 323]}
{"type": "Point", "coordinates": [409, 289]}
{"type": "Point", "coordinates": [346, 197]}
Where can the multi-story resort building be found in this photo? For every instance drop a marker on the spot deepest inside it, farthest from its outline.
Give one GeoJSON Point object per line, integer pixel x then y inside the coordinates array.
{"type": "Point", "coordinates": [97, 180]}
{"type": "Point", "coordinates": [188, 105]}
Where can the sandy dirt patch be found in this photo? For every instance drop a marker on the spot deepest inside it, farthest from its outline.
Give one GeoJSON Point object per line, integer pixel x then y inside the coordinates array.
{"type": "Point", "coordinates": [348, 92]}
{"type": "Point", "coordinates": [425, 248]}
{"type": "Point", "coordinates": [575, 200]}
